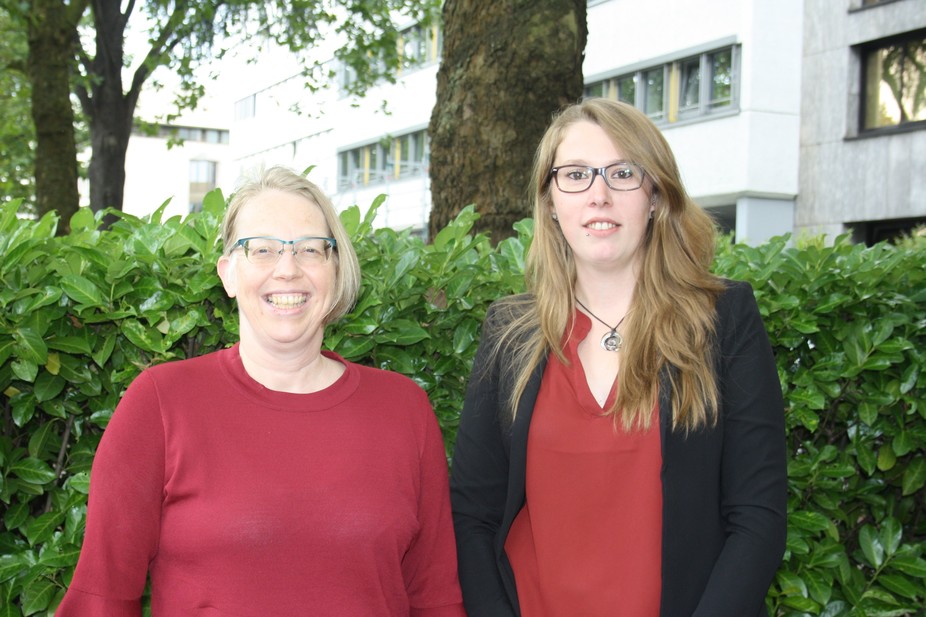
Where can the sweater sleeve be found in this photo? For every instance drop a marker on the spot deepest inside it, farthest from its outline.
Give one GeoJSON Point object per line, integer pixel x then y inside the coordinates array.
{"type": "Point", "coordinates": [479, 486]}
{"type": "Point", "coordinates": [754, 465]}
{"type": "Point", "coordinates": [123, 512]}
{"type": "Point", "coordinates": [429, 566]}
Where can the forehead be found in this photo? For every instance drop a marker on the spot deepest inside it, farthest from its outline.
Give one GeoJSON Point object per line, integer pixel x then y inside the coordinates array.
{"type": "Point", "coordinates": [273, 212]}
{"type": "Point", "coordinates": [587, 142]}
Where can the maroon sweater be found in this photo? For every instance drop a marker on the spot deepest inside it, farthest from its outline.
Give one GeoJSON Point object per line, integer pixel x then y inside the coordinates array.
{"type": "Point", "coordinates": [242, 501]}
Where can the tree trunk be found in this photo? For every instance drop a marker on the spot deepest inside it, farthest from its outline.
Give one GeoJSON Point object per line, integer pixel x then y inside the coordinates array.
{"type": "Point", "coordinates": [52, 35]}
{"type": "Point", "coordinates": [109, 111]}
{"type": "Point", "coordinates": [507, 66]}
{"type": "Point", "coordinates": [110, 128]}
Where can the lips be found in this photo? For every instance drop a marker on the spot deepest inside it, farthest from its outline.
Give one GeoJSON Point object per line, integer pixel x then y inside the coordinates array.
{"type": "Point", "coordinates": [286, 300]}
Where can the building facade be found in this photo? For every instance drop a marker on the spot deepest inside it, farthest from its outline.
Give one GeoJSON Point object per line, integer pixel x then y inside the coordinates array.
{"type": "Point", "coordinates": [762, 102]}
{"type": "Point", "coordinates": [863, 119]}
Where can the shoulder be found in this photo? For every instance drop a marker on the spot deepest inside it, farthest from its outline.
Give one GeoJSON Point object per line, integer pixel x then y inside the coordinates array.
{"type": "Point", "coordinates": [186, 368]}
{"type": "Point", "coordinates": [510, 307]}
{"type": "Point", "coordinates": [736, 298]}
{"type": "Point", "coordinates": [738, 315]}
{"type": "Point", "coordinates": [506, 311]}
{"type": "Point", "coordinates": [387, 384]}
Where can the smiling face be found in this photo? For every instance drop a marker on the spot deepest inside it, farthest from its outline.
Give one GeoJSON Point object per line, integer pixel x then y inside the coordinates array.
{"type": "Point", "coordinates": [604, 227]}
{"type": "Point", "coordinates": [281, 307]}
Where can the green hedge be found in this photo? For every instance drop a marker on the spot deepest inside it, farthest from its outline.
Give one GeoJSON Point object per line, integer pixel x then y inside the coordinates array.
{"type": "Point", "coordinates": [81, 315]}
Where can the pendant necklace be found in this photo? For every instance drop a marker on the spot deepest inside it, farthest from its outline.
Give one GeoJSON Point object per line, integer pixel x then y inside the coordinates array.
{"type": "Point", "coordinates": [612, 340]}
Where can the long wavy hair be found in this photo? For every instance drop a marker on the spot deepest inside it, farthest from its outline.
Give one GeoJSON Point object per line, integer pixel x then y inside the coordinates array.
{"type": "Point", "coordinates": [671, 322]}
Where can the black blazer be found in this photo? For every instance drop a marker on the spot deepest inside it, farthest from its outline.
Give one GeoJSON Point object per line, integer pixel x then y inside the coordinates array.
{"type": "Point", "coordinates": [724, 487]}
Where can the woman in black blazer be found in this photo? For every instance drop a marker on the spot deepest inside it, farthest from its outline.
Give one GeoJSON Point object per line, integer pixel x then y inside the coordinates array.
{"type": "Point", "coordinates": [621, 449]}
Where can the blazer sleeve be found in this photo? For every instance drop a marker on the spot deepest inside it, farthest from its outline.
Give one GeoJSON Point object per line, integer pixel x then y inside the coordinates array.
{"type": "Point", "coordinates": [753, 479]}
{"type": "Point", "coordinates": [479, 484]}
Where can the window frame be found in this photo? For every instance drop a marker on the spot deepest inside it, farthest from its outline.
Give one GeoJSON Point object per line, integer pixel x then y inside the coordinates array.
{"type": "Point", "coordinates": [674, 106]}
{"type": "Point", "coordinates": [384, 161]}
{"type": "Point", "coordinates": [865, 53]}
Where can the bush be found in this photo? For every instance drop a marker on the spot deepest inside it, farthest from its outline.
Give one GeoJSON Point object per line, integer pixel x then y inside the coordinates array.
{"type": "Point", "coordinates": [847, 324]}
{"type": "Point", "coordinates": [81, 315]}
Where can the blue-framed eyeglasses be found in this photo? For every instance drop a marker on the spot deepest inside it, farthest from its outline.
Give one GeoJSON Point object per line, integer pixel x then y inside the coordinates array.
{"type": "Point", "coordinates": [265, 251]}
{"type": "Point", "coordinates": [621, 176]}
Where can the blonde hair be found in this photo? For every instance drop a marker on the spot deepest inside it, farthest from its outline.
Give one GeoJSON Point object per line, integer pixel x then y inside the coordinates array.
{"type": "Point", "coordinates": [279, 178]}
{"type": "Point", "coordinates": [670, 325]}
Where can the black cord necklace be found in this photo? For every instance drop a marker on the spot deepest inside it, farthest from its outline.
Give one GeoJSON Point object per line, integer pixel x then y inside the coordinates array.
{"type": "Point", "coordinates": [612, 340]}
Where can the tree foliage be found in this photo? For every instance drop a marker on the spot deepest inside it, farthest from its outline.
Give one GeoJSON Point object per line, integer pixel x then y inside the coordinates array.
{"type": "Point", "coordinates": [77, 47]}
{"type": "Point", "coordinates": [17, 133]}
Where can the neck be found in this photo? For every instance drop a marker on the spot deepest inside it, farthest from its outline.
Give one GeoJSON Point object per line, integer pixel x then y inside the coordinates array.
{"type": "Point", "coordinates": [301, 371]}
{"type": "Point", "coordinates": [607, 293]}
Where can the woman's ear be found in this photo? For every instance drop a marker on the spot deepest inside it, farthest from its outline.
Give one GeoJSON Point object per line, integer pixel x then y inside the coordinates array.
{"type": "Point", "coordinates": [228, 273]}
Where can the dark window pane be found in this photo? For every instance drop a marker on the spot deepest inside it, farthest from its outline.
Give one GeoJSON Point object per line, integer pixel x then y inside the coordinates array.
{"type": "Point", "coordinates": [653, 103]}
{"type": "Point", "coordinates": [690, 95]}
{"type": "Point", "coordinates": [895, 80]}
{"type": "Point", "coordinates": [597, 89]}
{"type": "Point", "coordinates": [721, 64]}
{"type": "Point", "coordinates": [627, 89]}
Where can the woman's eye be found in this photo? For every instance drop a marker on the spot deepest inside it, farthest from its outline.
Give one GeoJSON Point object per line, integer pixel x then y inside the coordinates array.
{"type": "Point", "coordinates": [622, 174]}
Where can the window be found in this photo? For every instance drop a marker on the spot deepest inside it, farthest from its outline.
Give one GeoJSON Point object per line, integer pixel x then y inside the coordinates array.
{"type": "Point", "coordinates": [393, 158]}
{"type": "Point", "coordinates": [246, 107]}
{"type": "Point", "coordinates": [419, 45]}
{"type": "Point", "coordinates": [599, 89]}
{"type": "Point", "coordinates": [627, 89]}
{"type": "Point", "coordinates": [720, 71]}
{"type": "Point", "coordinates": [690, 87]}
{"type": "Point", "coordinates": [691, 84]}
{"type": "Point", "coordinates": [202, 180]}
{"type": "Point", "coordinates": [894, 78]}
{"type": "Point", "coordinates": [189, 133]}
{"type": "Point", "coordinates": [654, 92]}
{"type": "Point", "coordinates": [889, 230]}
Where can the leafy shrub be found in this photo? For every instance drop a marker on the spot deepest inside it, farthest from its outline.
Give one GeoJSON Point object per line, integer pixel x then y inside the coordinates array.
{"type": "Point", "coordinates": [81, 315]}
{"type": "Point", "coordinates": [847, 323]}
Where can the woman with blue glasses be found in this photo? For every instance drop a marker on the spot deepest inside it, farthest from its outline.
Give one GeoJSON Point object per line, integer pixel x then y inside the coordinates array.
{"type": "Point", "coordinates": [272, 478]}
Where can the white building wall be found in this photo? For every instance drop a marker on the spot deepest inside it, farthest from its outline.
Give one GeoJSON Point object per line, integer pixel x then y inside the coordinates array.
{"type": "Point", "coordinates": [156, 174]}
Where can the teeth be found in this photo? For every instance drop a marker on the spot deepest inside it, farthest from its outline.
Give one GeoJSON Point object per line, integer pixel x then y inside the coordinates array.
{"type": "Point", "coordinates": [601, 225]}
{"type": "Point", "coordinates": [286, 301]}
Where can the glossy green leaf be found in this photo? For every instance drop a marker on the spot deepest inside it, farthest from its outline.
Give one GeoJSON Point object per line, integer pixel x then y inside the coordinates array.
{"type": "Point", "coordinates": [33, 470]}
{"type": "Point", "coordinates": [30, 346]}
{"type": "Point", "coordinates": [902, 586]}
{"type": "Point", "coordinates": [870, 543]}
{"type": "Point", "coordinates": [37, 594]}
{"type": "Point", "coordinates": [914, 476]}
{"type": "Point", "coordinates": [81, 290]}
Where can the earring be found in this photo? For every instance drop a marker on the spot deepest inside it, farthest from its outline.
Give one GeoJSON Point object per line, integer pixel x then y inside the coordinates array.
{"type": "Point", "coordinates": [555, 217]}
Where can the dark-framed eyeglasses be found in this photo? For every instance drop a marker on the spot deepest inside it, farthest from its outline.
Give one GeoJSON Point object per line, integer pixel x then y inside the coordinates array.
{"type": "Point", "coordinates": [620, 176]}
{"type": "Point", "coordinates": [265, 251]}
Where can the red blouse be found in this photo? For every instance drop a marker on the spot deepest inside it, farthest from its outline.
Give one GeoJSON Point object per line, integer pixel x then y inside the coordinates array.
{"type": "Point", "coordinates": [589, 539]}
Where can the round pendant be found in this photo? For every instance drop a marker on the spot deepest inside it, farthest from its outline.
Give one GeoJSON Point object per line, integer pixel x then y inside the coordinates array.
{"type": "Point", "coordinates": [612, 341]}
